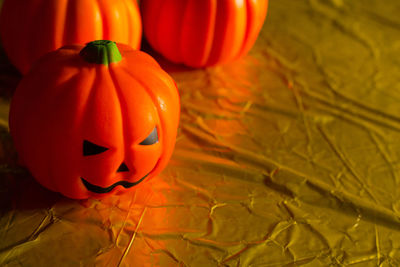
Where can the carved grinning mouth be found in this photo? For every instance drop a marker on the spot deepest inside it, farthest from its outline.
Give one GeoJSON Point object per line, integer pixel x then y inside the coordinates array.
{"type": "Point", "coordinates": [103, 190]}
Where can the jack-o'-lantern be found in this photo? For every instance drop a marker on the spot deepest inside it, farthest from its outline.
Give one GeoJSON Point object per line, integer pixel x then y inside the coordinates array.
{"type": "Point", "coordinates": [31, 28]}
{"type": "Point", "coordinates": [205, 32]}
{"type": "Point", "coordinates": [95, 120]}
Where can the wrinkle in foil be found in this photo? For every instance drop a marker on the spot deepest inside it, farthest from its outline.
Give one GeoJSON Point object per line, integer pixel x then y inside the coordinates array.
{"type": "Point", "coordinates": [287, 157]}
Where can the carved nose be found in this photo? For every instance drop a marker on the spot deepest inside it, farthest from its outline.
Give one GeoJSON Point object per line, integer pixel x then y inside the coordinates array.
{"type": "Point", "coordinates": [123, 168]}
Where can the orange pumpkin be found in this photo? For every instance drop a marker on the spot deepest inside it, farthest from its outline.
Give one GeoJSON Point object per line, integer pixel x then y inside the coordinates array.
{"type": "Point", "coordinates": [202, 33]}
{"type": "Point", "coordinates": [31, 28]}
{"type": "Point", "coordinates": [90, 121]}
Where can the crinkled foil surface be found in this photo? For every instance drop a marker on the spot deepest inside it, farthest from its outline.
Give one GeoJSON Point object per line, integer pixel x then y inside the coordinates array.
{"type": "Point", "coordinates": [287, 157]}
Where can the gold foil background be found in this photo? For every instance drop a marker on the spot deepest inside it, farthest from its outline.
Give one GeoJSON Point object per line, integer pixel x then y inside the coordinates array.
{"type": "Point", "coordinates": [287, 157]}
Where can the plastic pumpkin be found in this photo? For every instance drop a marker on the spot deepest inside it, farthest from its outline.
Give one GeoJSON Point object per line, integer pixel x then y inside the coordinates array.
{"type": "Point", "coordinates": [95, 120]}
{"type": "Point", "coordinates": [205, 32]}
{"type": "Point", "coordinates": [31, 28]}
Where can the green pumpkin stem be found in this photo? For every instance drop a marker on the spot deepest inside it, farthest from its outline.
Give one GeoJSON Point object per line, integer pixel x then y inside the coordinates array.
{"type": "Point", "coordinates": [101, 52]}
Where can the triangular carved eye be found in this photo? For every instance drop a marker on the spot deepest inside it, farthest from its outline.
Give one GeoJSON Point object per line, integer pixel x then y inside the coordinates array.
{"type": "Point", "coordinates": [151, 139]}
{"type": "Point", "coordinates": [92, 149]}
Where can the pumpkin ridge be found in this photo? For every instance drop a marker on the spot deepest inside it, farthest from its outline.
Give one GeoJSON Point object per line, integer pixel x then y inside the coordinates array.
{"type": "Point", "coordinates": [131, 9]}
{"type": "Point", "coordinates": [129, 37]}
{"type": "Point", "coordinates": [159, 21]}
{"type": "Point", "coordinates": [28, 47]}
{"type": "Point", "coordinates": [253, 26]}
{"type": "Point", "coordinates": [154, 100]}
{"type": "Point", "coordinates": [69, 8]}
{"type": "Point", "coordinates": [222, 51]}
{"type": "Point", "coordinates": [147, 89]}
{"type": "Point", "coordinates": [214, 36]}
{"type": "Point", "coordinates": [60, 35]}
{"type": "Point", "coordinates": [81, 114]}
{"type": "Point", "coordinates": [248, 28]}
{"type": "Point", "coordinates": [122, 104]}
{"type": "Point", "coordinates": [178, 38]}
{"type": "Point", "coordinates": [206, 46]}
{"type": "Point", "coordinates": [168, 24]}
{"type": "Point", "coordinates": [181, 40]}
{"type": "Point", "coordinates": [104, 26]}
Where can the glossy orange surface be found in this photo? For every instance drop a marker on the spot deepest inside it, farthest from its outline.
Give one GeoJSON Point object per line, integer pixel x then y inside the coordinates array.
{"type": "Point", "coordinates": [31, 28]}
{"type": "Point", "coordinates": [65, 102]}
{"type": "Point", "coordinates": [287, 157]}
{"type": "Point", "coordinates": [202, 33]}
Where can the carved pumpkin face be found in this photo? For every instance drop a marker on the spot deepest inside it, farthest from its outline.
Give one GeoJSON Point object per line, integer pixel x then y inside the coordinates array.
{"type": "Point", "coordinates": [87, 123]}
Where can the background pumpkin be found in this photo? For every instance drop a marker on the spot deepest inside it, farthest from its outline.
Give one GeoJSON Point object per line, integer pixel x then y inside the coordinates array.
{"type": "Point", "coordinates": [80, 119]}
{"type": "Point", "coordinates": [31, 28]}
{"type": "Point", "coordinates": [202, 33]}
